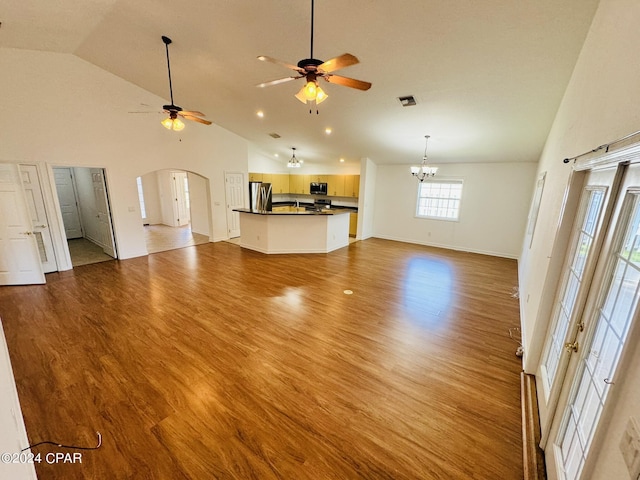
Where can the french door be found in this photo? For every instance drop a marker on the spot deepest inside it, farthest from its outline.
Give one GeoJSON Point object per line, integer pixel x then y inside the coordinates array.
{"type": "Point", "coordinates": [604, 325]}
{"type": "Point", "coordinates": [593, 212]}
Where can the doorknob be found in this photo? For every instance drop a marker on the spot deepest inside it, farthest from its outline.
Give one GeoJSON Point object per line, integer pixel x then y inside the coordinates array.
{"type": "Point", "coordinates": [39, 226]}
{"type": "Point", "coordinates": [571, 346]}
{"type": "Point", "coordinates": [26, 233]}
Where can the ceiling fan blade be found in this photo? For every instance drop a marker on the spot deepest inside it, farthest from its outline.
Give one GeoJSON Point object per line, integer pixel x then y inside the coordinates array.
{"type": "Point", "coordinates": [195, 119]}
{"type": "Point", "coordinates": [275, 82]}
{"type": "Point", "coordinates": [193, 113]}
{"type": "Point", "coordinates": [344, 60]}
{"type": "Point", "coordinates": [280, 62]}
{"type": "Point", "coordinates": [348, 82]}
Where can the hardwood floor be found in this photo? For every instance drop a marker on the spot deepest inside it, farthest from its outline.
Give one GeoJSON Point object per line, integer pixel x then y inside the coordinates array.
{"type": "Point", "coordinates": [160, 238]}
{"type": "Point", "coordinates": [218, 362]}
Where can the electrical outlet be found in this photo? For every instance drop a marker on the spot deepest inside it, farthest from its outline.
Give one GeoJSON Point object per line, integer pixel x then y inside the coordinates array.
{"type": "Point", "coordinates": [630, 447]}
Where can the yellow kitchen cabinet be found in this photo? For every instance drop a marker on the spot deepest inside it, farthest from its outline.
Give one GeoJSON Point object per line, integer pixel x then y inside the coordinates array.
{"type": "Point", "coordinates": [318, 178]}
{"type": "Point", "coordinates": [351, 185]}
{"type": "Point", "coordinates": [255, 177]}
{"type": "Point", "coordinates": [280, 183]}
{"type": "Point", "coordinates": [353, 224]}
{"type": "Point", "coordinates": [306, 180]}
{"type": "Point", "coordinates": [267, 178]}
{"type": "Point", "coordinates": [295, 184]}
{"type": "Point", "coordinates": [335, 185]}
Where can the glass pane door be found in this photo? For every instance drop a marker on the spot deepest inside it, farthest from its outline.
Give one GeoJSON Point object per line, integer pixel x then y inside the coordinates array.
{"type": "Point", "coordinates": [617, 300]}
{"type": "Point", "coordinates": [572, 281]}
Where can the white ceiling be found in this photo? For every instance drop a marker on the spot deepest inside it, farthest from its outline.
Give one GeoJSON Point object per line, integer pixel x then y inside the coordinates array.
{"type": "Point", "coordinates": [488, 75]}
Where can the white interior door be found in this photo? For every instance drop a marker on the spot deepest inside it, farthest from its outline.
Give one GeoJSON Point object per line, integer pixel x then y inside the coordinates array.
{"type": "Point", "coordinates": [234, 184]}
{"type": "Point", "coordinates": [180, 186]}
{"type": "Point", "coordinates": [67, 196]}
{"type": "Point", "coordinates": [39, 220]}
{"type": "Point", "coordinates": [19, 259]}
{"type": "Point", "coordinates": [596, 352]}
{"type": "Point", "coordinates": [593, 212]}
{"type": "Point", "coordinates": [106, 240]}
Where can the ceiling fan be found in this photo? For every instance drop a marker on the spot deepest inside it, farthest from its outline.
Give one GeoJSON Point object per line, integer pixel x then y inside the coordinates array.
{"type": "Point", "coordinates": [312, 69]}
{"type": "Point", "coordinates": [173, 122]}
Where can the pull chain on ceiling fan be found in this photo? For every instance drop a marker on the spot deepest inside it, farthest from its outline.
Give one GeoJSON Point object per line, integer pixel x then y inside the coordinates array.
{"type": "Point", "coordinates": [312, 69]}
{"type": "Point", "coordinates": [173, 122]}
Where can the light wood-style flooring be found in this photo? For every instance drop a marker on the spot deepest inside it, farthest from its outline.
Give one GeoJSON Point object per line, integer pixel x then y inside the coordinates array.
{"type": "Point", "coordinates": [215, 362]}
{"type": "Point", "coordinates": [160, 238]}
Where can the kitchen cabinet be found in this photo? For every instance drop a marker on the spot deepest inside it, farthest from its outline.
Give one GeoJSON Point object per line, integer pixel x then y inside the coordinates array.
{"type": "Point", "coordinates": [335, 185]}
{"type": "Point", "coordinates": [318, 178]}
{"type": "Point", "coordinates": [280, 183]}
{"type": "Point", "coordinates": [283, 183]}
{"type": "Point", "coordinates": [296, 184]}
{"type": "Point", "coordinates": [352, 185]}
{"type": "Point", "coordinates": [353, 224]}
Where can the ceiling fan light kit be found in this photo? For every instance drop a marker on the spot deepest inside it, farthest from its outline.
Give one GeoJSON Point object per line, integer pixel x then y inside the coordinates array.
{"type": "Point", "coordinates": [311, 69]}
{"type": "Point", "coordinates": [172, 122]}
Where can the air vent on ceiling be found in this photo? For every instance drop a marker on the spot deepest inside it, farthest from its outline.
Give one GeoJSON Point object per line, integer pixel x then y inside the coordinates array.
{"type": "Point", "coordinates": [407, 101]}
{"type": "Point", "coordinates": [274, 135]}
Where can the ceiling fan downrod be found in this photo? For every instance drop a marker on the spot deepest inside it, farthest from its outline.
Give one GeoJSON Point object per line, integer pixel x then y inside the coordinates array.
{"type": "Point", "coordinates": [167, 41]}
{"type": "Point", "coordinates": [312, 10]}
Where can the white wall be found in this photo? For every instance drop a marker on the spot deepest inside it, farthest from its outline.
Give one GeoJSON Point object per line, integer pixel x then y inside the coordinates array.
{"type": "Point", "coordinates": [368, 180]}
{"type": "Point", "coordinates": [200, 201]}
{"type": "Point", "coordinates": [152, 205]}
{"type": "Point", "coordinates": [601, 104]}
{"type": "Point", "coordinates": [65, 111]}
{"type": "Point", "coordinates": [493, 210]}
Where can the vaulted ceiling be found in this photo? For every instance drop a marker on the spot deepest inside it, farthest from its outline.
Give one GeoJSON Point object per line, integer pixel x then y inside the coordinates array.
{"type": "Point", "coordinates": [488, 76]}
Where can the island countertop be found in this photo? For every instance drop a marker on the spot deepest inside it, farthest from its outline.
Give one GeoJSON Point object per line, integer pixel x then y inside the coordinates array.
{"type": "Point", "coordinates": [296, 211]}
{"type": "Point", "coordinates": [295, 231]}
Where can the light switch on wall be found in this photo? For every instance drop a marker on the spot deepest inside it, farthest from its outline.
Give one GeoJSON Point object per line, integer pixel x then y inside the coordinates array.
{"type": "Point", "coordinates": [630, 448]}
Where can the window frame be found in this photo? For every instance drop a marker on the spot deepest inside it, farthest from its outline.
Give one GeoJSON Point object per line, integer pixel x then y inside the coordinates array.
{"type": "Point", "coordinates": [456, 181]}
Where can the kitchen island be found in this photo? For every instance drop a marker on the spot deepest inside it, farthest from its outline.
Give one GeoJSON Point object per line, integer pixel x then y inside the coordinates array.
{"type": "Point", "coordinates": [295, 230]}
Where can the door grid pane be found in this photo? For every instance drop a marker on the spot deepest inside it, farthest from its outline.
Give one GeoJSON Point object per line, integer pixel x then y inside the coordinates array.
{"type": "Point", "coordinates": [602, 352]}
{"type": "Point", "coordinates": [589, 212]}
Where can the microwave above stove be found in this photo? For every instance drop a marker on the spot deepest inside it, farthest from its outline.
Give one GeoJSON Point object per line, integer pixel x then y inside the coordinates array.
{"type": "Point", "coordinates": [316, 188]}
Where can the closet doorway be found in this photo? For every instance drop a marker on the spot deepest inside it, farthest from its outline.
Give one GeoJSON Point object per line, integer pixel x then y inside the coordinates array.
{"type": "Point", "coordinates": [86, 214]}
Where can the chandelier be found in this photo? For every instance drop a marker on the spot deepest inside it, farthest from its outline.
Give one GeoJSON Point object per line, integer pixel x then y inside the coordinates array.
{"type": "Point", "coordinates": [423, 170]}
{"type": "Point", "coordinates": [294, 162]}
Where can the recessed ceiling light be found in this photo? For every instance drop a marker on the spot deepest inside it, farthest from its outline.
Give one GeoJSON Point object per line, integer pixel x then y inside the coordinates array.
{"type": "Point", "coordinates": [328, 130]}
{"type": "Point", "coordinates": [276, 155]}
{"type": "Point", "coordinates": [342, 160]}
{"type": "Point", "coordinates": [260, 113]}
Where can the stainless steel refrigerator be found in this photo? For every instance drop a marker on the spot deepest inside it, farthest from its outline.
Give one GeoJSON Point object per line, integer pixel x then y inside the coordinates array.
{"type": "Point", "coordinates": [260, 196]}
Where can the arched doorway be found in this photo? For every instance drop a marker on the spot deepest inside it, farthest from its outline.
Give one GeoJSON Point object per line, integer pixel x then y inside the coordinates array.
{"type": "Point", "coordinates": [175, 209]}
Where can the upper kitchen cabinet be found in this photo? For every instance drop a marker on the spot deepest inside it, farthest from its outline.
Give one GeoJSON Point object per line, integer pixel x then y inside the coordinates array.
{"type": "Point", "coordinates": [351, 185]}
{"type": "Point", "coordinates": [255, 177]}
{"type": "Point", "coordinates": [296, 184]}
{"type": "Point", "coordinates": [335, 185]}
{"type": "Point", "coordinates": [280, 183]}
